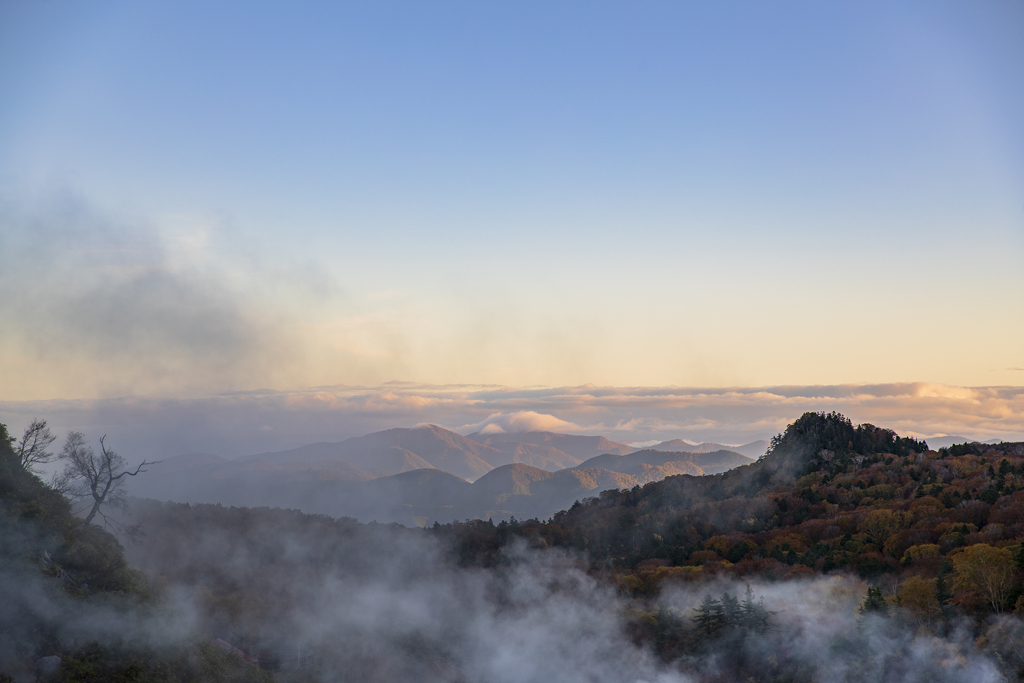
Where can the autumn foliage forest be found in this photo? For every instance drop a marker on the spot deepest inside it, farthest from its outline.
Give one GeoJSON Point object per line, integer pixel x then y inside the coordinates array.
{"type": "Point", "coordinates": [928, 546]}
{"type": "Point", "coordinates": [826, 497]}
{"type": "Point", "coordinates": [938, 535]}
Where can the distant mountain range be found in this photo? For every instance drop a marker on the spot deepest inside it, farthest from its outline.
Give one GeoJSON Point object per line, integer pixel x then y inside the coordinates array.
{"type": "Point", "coordinates": [425, 474]}
{"type": "Point", "coordinates": [398, 450]}
{"type": "Point", "coordinates": [937, 442]}
{"type": "Point", "coordinates": [687, 462]}
{"type": "Point", "coordinates": [548, 450]}
{"type": "Point", "coordinates": [754, 449]}
{"type": "Point", "coordinates": [468, 457]}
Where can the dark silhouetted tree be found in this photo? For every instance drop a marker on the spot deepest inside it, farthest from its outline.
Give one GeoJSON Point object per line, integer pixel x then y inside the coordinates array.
{"type": "Point", "coordinates": [753, 614]}
{"type": "Point", "coordinates": [32, 448]}
{"type": "Point", "coordinates": [874, 603]}
{"type": "Point", "coordinates": [96, 480]}
{"type": "Point", "coordinates": [730, 610]}
{"type": "Point", "coordinates": [707, 617]}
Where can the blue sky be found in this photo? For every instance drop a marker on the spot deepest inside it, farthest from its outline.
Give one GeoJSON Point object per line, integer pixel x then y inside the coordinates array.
{"type": "Point", "coordinates": [201, 197]}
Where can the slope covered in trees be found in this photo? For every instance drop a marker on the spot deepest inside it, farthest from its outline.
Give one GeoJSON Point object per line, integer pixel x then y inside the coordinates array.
{"type": "Point", "coordinates": [65, 586]}
{"type": "Point", "coordinates": [755, 574]}
{"type": "Point", "coordinates": [939, 533]}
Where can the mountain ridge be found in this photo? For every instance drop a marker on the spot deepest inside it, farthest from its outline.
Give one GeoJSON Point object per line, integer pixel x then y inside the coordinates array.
{"type": "Point", "coordinates": [753, 450]}
{"type": "Point", "coordinates": [397, 450]}
{"type": "Point", "coordinates": [379, 476]}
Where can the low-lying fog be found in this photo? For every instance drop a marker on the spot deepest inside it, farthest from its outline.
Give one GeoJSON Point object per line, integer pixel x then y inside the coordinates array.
{"type": "Point", "coordinates": [352, 602]}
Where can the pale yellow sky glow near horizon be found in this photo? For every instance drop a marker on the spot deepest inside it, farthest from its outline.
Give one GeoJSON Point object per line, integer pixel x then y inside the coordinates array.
{"type": "Point", "coordinates": [185, 332]}
{"type": "Point", "coordinates": [99, 306]}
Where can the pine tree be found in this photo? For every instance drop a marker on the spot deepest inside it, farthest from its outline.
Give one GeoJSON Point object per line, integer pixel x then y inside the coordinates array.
{"type": "Point", "coordinates": [874, 603]}
{"type": "Point", "coordinates": [717, 616]}
{"type": "Point", "coordinates": [730, 610]}
{"type": "Point", "coordinates": [706, 617]}
{"type": "Point", "coordinates": [748, 609]}
{"type": "Point", "coordinates": [753, 614]}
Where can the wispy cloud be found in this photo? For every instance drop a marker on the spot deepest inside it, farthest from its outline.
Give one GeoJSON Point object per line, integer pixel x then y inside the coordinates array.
{"type": "Point", "coordinates": [100, 304]}
{"type": "Point", "coordinates": [256, 421]}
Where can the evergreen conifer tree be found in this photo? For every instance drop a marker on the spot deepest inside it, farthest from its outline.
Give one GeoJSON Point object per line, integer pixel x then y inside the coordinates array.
{"type": "Point", "coordinates": [707, 617]}
{"type": "Point", "coordinates": [731, 611]}
{"type": "Point", "coordinates": [874, 603]}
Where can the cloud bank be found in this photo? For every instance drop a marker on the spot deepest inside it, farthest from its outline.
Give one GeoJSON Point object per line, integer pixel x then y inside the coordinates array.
{"type": "Point", "coordinates": [98, 304]}
{"type": "Point", "coordinates": [259, 421]}
{"type": "Point", "coordinates": [519, 421]}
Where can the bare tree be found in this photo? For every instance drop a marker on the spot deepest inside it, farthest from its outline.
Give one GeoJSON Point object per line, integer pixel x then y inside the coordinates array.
{"type": "Point", "coordinates": [97, 480]}
{"type": "Point", "coordinates": [32, 448]}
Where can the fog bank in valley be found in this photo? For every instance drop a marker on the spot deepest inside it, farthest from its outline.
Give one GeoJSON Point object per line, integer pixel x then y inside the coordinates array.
{"type": "Point", "coordinates": [374, 602]}
{"type": "Point", "coordinates": [340, 601]}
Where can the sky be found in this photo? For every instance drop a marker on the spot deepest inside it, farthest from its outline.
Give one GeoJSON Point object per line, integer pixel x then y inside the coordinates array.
{"type": "Point", "coordinates": [201, 199]}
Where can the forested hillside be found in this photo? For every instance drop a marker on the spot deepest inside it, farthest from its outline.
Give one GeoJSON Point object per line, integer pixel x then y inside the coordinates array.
{"type": "Point", "coordinates": [71, 609]}
{"type": "Point", "coordinates": [827, 496]}
{"type": "Point", "coordinates": [846, 550]}
{"type": "Point", "coordinates": [937, 533]}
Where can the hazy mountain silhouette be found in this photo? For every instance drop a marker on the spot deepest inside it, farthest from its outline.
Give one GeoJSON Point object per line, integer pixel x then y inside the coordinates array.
{"type": "Point", "coordinates": [522, 491]}
{"type": "Point", "coordinates": [546, 450]}
{"type": "Point", "coordinates": [203, 478]}
{"type": "Point", "coordinates": [405, 475]}
{"type": "Point", "coordinates": [753, 450]}
{"type": "Point", "coordinates": [679, 462]}
{"type": "Point", "coordinates": [937, 442]}
{"type": "Point", "coordinates": [398, 450]}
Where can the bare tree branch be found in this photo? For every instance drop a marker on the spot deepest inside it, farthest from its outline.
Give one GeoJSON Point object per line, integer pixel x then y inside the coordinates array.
{"type": "Point", "coordinates": [98, 481]}
{"type": "Point", "coordinates": [32, 448]}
